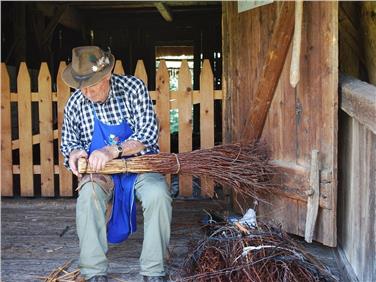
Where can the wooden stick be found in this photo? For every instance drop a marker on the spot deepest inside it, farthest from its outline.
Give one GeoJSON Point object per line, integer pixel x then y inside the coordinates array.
{"type": "Point", "coordinates": [296, 45]}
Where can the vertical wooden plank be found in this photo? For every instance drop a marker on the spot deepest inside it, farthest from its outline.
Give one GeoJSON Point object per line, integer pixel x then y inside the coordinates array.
{"type": "Point", "coordinates": [6, 135]}
{"type": "Point", "coordinates": [140, 72]}
{"type": "Point", "coordinates": [163, 106]}
{"type": "Point", "coordinates": [25, 132]}
{"type": "Point", "coordinates": [118, 69]}
{"type": "Point", "coordinates": [206, 119]}
{"type": "Point", "coordinates": [46, 133]}
{"type": "Point", "coordinates": [327, 127]}
{"type": "Point", "coordinates": [184, 99]}
{"type": "Point", "coordinates": [63, 93]}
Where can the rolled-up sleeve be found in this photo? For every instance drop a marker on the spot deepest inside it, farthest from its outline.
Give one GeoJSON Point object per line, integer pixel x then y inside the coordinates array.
{"type": "Point", "coordinates": [146, 127]}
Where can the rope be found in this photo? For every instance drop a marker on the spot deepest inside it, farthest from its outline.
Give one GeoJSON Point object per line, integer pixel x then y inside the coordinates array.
{"type": "Point", "coordinates": [178, 163]}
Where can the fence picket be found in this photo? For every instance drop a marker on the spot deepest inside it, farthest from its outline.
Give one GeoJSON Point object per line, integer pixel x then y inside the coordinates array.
{"type": "Point", "coordinates": [207, 118]}
{"type": "Point", "coordinates": [118, 69]}
{"type": "Point", "coordinates": [162, 109]}
{"type": "Point", "coordinates": [163, 106]}
{"type": "Point", "coordinates": [25, 132]}
{"type": "Point", "coordinates": [6, 135]}
{"type": "Point", "coordinates": [185, 122]}
{"type": "Point", "coordinates": [63, 93]}
{"type": "Point", "coordinates": [46, 132]}
{"type": "Point", "coordinates": [140, 72]}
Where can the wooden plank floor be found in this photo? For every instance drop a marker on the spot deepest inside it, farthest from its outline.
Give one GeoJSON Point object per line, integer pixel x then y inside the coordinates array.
{"type": "Point", "coordinates": [39, 235]}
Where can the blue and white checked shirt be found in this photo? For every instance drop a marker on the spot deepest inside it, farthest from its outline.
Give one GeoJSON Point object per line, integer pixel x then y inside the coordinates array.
{"type": "Point", "coordinates": [128, 98]}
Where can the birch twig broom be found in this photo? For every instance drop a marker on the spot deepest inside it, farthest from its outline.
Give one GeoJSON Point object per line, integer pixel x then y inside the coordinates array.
{"type": "Point", "coordinates": [243, 167]}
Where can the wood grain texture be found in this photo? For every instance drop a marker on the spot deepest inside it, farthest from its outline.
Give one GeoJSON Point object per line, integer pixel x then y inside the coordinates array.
{"type": "Point", "coordinates": [140, 72]}
{"type": "Point", "coordinates": [163, 106]}
{"type": "Point", "coordinates": [272, 68]}
{"type": "Point", "coordinates": [299, 120]}
{"type": "Point", "coordinates": [206, 119]}
{"type": "Point", "coordinates": [118, 68]}
{"type": "Point", "coordinates": [313, 196]}
{"type": "Point", "coordinates": [63, 93]}
{"type": "Point", "coordinates": [46, 132]}
{"type": "Point", "coordinates": [6, 135]}
{"type": "Point", "coordinates": [185, 122]}
{"type": "Point", "coordinates": [358, 100]}
{"type": "Point", "coordinates": [25, 132]}
{"type": "Point", "coordinates": [357, 197]}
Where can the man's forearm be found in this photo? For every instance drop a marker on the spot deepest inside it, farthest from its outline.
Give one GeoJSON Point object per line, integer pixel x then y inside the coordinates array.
{"type": "Point", "coordinates": [131, 147]}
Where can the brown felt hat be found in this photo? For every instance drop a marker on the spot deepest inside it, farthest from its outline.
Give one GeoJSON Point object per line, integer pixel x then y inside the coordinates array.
{"type": "Point", "coordinates": [90, 64]}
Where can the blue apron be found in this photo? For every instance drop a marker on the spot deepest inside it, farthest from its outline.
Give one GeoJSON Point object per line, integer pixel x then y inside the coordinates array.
{"type": "Point", "coordinates": [123, 217]}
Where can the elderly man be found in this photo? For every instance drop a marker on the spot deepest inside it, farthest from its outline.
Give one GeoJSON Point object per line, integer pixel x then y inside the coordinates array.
{"type": "Point", "coordinates": [108, 117]}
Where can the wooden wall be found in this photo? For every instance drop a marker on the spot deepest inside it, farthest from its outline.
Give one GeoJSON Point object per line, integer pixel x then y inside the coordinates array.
{"type": "Point", "coordinates": [299, 120]}
{"type": "Point", "coordinates": [357, 178]}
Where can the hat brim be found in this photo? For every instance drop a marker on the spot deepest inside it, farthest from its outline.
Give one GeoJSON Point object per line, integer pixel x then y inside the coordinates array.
{"type": "Point", "coordinates": [95, 78]}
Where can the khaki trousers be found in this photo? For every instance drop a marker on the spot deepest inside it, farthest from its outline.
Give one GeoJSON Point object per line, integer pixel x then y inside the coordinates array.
{"type": "Point", "coordinates": [152, 190]}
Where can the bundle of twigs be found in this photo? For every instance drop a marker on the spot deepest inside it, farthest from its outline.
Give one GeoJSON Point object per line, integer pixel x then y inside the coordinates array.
{"type": "Point", "coordinates": [239, 166]}
{"type": "Point", "coordinates": [265, 254]}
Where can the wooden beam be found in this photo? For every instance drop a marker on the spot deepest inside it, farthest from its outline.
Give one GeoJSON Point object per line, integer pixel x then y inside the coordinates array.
{"type": "Point", "coordinates": [275, 59]}
{"type": "Point", "coordinates": [70, 17]}
{"type": "Point", "coordinates": [164, 10]}
{"type": "Point", "coordinates": [358, 100]}
{"type": "Point", "coordinates": [48, 31]}
{"type": "Point", "coordinates": [368, 20]}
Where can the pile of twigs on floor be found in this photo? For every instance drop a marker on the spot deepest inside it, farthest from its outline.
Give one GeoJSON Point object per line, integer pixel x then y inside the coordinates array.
{"type": "Point", "coordinates": [240, 166]}
{"type": "Point", "coordinates": [265, 254]}
{"type": "Point", "coordinates": [60, 274]}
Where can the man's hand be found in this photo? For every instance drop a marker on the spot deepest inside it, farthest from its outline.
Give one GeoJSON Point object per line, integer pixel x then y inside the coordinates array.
{"type": "Point", "coordinates": [99, 158]}
{"type": "Point", "coordinates": [73, 159]}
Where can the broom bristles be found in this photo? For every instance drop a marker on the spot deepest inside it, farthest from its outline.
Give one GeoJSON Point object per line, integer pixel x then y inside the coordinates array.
{"type": "Point", "coordinates": [239, 166]}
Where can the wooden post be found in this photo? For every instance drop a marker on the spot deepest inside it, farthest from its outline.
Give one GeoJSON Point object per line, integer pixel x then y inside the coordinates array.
{"type": "Point", "coordinates": [46, 133]}
{"type": "Point", "coordinates": [275, 59]}
{"type": "Point", "coordinates": [162, 108]}
{"type": "Point", "coordinates": [184, 98]}
{"type": "Point", "coordinates": [368, 20]}
{"type": "Point", "coordinates": [207, 119]}
{"type": "Point", "coordinates": [25, 132]}
{"type": "Point", "coordinates": [140, 72]}
{"type": "Point", "coordinates": [313, 196]}
{"type": "Point", "coordinates": [118, 69]}
{"type": "Point", "coordinates": [63, 93]}
{"type": "Point", "coordinates": [6, 135]}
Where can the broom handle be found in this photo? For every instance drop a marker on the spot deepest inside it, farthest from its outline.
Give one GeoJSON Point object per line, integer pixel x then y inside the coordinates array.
{"type": "Point", "coordinates": [111, 167]}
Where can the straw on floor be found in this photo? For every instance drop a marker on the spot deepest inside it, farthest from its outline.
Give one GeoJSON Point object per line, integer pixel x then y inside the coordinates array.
{"type": "Point", "coordinates": [265, 254]}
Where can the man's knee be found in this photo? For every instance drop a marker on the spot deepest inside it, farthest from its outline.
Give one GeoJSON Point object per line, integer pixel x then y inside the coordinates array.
{"type": "Point", "coordinates": [90, 192]}
{"type": "Point", "coordinates": [154, 190]}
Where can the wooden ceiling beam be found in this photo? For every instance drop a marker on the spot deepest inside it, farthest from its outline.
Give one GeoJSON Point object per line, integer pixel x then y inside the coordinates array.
{"type": "Point", "coordinates": [164, 10]}
{"type": "Point", "coordinates": [69, 18]}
